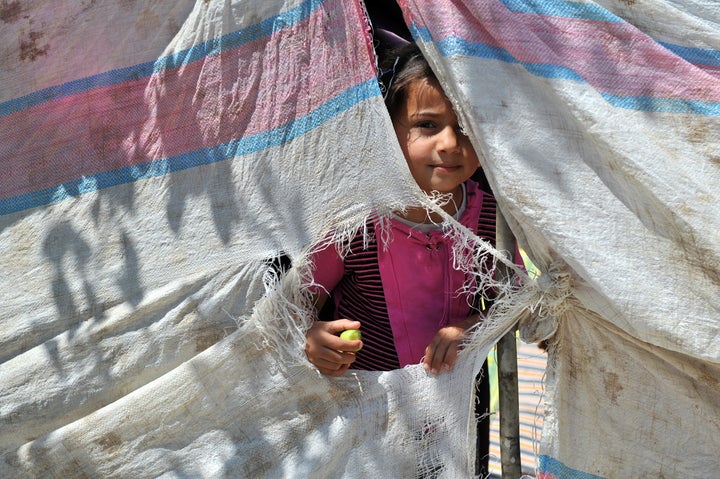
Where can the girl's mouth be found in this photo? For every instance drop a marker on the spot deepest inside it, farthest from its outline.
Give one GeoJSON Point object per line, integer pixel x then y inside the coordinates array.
{"type": "Point", "coordinates": [445, 168]}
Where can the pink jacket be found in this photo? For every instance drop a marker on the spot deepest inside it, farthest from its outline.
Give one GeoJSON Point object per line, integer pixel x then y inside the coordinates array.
{"type": "Point", "coordinates": [421, 287]}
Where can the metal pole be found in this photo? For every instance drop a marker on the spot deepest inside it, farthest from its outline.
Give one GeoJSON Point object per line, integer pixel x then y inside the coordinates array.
{"type": "Point", "coordinates": [507, 373]}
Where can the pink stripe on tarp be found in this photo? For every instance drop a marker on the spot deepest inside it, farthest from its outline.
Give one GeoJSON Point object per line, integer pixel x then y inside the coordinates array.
{"type": "Point", "coordinates": [614, 57]}
{"type": "Point", "coordinates": [198, 105]}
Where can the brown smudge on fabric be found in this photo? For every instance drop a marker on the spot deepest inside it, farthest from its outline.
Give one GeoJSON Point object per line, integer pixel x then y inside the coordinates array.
{"type": "Point", "coordinates": [207, 336]}
{"type": "Point", "coordinates": [613, 386]}
{"type": "Point", "coordinates": [172, 25]}
{"type": "Point", "coordinates": [109, 441]}
{"type": "Point", "coordinates": [29, 48]}
{"type": "Point", "coordinates": [698, 132]}
{"type": "Point", "coordinates": [10, 11]}
{"type": "Point", "coordinates": [147, 20]}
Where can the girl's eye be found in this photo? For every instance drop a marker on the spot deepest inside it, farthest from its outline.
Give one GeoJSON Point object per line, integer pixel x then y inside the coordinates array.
{"type": "Point", "coordinates": [426, 124]}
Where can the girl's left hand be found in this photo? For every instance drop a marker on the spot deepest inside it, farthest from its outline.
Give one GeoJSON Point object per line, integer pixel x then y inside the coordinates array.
{"type": "Point", "coordinates": [441, 353]}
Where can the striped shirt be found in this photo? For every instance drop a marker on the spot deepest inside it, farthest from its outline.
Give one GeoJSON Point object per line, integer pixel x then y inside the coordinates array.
{"type": "Point", "coordinates": [389, 290]}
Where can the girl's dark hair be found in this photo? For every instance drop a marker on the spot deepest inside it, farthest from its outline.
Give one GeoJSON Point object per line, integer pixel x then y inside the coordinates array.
{"type": "Point", "coordinates": [399, 69]}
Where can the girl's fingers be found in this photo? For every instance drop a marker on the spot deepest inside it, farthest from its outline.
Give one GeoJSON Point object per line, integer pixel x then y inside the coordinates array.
{"type": "Point", "coordinates": [334, 342]}
{"type": "Point", "coordinates": [332, 356]}
{"type": "Point", "coordinates": [450, 357]}
{"type": "Point", "coordinates": [441, 353]}
{"type": "Point", "coordinates": [330, 368]}
{"type": "Point", "coordinates": [438, 358]}
{"type": "Point", "coordinates": [431, 357]}
{"type": "Point", "coordinates": [340, 325]}
{"type": "Point", "coordinates": [324, 349]}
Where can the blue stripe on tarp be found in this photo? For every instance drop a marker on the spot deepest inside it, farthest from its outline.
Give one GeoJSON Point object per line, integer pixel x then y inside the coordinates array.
{"type": "Point", "coordinates": [241, 146]}
{"type": "Point", "coordinates": [211, 47]}
{"type": "Point", "coordinates": [697, 56]}
{"type": "Point", "coordinates": [664, 105]}
{"type": "Point", "coordinates": [561, 8]}
{"type": "Point", "coordinates": [457, 46]}
{"type": "Point", "coordinates": [557, 468]}
{"type": "Point", "coordinates": [589, 11]}
{"type": "Point", "coordinates": [586, 11]}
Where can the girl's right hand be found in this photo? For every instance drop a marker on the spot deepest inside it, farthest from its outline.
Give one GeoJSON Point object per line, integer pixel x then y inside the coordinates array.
{"type": "Point", "coordinates": [330, 354]}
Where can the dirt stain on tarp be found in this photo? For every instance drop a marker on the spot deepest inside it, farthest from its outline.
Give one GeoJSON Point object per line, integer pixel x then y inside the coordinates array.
{"type": "Point", "coordinates": [613, 386]}
{"type": "Point", "coordinates": [147, 20]}
{"type": "Point", "coordinates": [10, 11]}
{"type": "Point", "coordinates": [29, 48]}
{"type": "Point", "coordinates": [109, 441]}
{"type": "Point", "coordinates": [698, 132]}
{"type": "Point", "coordinates": [206, 337]}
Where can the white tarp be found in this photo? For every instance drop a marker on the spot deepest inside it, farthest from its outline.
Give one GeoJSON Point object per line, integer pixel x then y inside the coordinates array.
{"type": "Point", "coordinates": [600, 137]}
{"type": "Point", "coordinates": [156, 154]}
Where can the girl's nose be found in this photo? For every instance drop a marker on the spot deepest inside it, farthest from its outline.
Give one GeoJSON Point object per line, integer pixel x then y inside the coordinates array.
{"type": "Point", "coordinates": [448, 139]}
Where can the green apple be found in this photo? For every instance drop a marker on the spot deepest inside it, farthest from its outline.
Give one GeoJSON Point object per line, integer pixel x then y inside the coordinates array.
{"type": "Point", "coordinates": [352, 335]}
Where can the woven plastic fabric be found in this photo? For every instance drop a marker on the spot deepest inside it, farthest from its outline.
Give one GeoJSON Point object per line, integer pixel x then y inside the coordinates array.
{"type": "Point", "coordinates": [158, 156]}
{"type": "Point", "coordinates": [599, 126]}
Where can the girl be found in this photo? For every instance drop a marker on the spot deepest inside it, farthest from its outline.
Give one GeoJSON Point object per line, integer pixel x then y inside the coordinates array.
{"type": "Point", "coordinates": [406, 296]}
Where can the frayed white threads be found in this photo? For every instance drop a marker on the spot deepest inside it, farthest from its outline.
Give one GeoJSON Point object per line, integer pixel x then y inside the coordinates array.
{"type": "Point", "coordinates": [550, 301]}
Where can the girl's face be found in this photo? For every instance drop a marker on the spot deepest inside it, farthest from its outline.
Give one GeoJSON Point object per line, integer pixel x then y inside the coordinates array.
{"type": "Point", "coordinates": [439, 156]}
